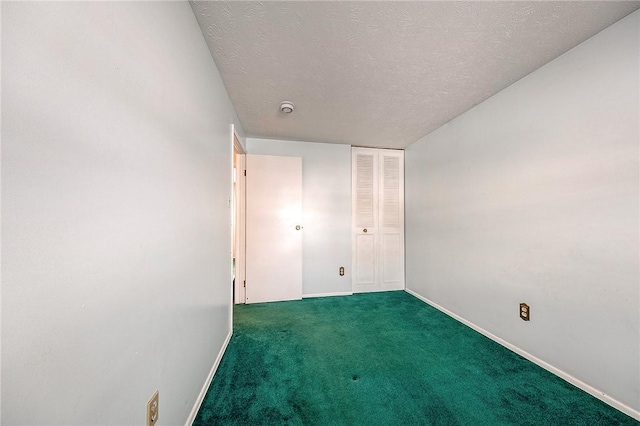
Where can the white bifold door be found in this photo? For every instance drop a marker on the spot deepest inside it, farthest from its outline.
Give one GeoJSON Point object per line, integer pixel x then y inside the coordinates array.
{"type": "Point", "coordinates": [273, 228]}
{"type": "Point", "coordinates": [378, 219]}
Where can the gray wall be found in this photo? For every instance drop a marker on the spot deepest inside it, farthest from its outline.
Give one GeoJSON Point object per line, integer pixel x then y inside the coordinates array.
{"type": "Point", "coordinates": [326, 210]}
{"type": "Point", "coordinates": [115, 221]}
{"type": "Point", "coordinates": [533, 196]}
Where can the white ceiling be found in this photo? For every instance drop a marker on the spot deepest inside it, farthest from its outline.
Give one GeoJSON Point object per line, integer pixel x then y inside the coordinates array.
{"type": "Point", "coordinates": [383, 74]}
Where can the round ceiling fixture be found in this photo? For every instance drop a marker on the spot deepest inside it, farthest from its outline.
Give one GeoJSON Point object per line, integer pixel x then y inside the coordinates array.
{"type": "Point", "coordinates": [286, 107]}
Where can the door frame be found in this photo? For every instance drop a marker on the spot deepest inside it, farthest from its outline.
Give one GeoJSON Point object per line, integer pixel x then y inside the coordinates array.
{"type": "Point", "coordinates": [238, 226]}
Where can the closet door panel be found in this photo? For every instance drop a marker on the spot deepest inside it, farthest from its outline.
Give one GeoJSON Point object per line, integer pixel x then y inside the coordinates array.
{"type": "Point", "coordinates": [391, 219]}
{"type": "Point", "coordinates": [390, 190]}
{"type": "Point", "coordinates": [364, 187]}
{"type": "Point", "coordinates": [366, 267]}
{"type": "Point", "coordinates": [391, 258]}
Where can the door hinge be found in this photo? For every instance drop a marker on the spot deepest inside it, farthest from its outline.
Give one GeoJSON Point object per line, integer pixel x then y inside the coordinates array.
{"type": "Point", "coordinates": [244, 284]}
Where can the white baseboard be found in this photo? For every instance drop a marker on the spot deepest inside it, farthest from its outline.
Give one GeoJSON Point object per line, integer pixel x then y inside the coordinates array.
{"type": "Point", "coordinates": [207, 383]}
{"type": "Point", "coordinates": [563, 375]}
{"type": "Point", "coordinates": [339, 293]}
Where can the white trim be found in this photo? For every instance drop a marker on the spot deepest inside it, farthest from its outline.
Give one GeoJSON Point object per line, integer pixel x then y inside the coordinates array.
{"type": "Point", "coordinates": [240, 292]}
{"type": "Point", "coordinates": [207, 383]}
{"type": "Point", "coordinates": [337, 293]}
{"type": "Point", "coordinates": [563, 375]}
{"type": "Point", "coordinates": [238, 146]}
{"type": "Point", "coordinates": [379, 290]}
{"type": "Point", "coordinates": [231, 224]}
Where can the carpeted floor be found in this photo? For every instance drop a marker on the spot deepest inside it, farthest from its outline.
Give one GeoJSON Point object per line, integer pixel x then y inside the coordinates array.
{"type": "Point", "coordinates": [382, 359]}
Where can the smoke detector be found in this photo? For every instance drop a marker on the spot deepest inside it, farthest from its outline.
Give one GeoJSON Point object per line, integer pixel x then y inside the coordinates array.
{"type": "Point", "coordinates": [286, 107]}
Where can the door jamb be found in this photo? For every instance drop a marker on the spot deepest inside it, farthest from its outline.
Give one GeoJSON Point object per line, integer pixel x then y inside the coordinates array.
{"type": "Point", "coordinates": [240, 217]}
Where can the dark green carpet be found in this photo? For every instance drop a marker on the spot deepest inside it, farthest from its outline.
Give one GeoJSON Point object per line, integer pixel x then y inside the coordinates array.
{"type": "Point", "coordinates": [382, 359]}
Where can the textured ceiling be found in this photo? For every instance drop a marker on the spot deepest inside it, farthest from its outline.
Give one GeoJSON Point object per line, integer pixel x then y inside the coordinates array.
{"type": "Point", "coordinates": [383, 74]}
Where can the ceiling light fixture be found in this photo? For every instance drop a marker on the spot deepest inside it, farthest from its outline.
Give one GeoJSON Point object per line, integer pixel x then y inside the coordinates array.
{"type": "Point", "coordinates": [286, 107]}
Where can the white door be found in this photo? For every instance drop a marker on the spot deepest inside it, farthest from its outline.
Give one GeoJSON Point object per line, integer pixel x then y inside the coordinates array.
{"type": "Point", "coordinates": [364, 166]}
{"type": "Point", "coordinates": [378, 219]}
{"type": "Point", "coordinates": [273, 228]}
{"type": "Point", "coordinates": [391, 219]}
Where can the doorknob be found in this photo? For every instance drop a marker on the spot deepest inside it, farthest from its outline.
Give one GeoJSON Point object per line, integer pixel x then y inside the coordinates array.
{"type": "Point", "coordinates": [298, 227]}
{"type": "Point", "coordinates": [364, 230]}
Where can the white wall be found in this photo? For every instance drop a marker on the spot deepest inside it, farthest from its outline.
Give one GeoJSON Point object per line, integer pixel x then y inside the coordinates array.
{"type": "Point", "coordinates": [326, 210]}
{"type": "Point", "coordinates": [115, 220]}
{"type": "Point", "coordinates": [533, 196]}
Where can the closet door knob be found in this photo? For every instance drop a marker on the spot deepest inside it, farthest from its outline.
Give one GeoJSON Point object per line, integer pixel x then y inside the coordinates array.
{"type": "Point", "coordinates": [298, 227]}
{"type": "Point", "coordinates": [364, 230]}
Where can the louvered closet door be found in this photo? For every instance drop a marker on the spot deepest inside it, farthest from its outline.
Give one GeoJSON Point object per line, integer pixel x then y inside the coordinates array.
{"type": "Point", "coordinates": [364, 181]}
{"type": "Point", "coordinates": [378, 219]}
{"type": "Point", "coordinates": [391, 219]}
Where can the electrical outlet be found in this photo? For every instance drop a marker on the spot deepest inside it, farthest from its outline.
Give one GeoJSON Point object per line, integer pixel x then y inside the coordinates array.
{"type": "Point", "coordinates": [152, 409]}
{"type": "Point", "coordinates": [525, 312]}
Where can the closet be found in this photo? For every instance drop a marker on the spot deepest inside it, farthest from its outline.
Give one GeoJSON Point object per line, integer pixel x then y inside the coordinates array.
{"type": "Point", "coordinates": [377, 190]}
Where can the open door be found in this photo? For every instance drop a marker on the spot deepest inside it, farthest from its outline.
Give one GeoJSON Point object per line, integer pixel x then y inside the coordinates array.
{"type": "Point", "coordinates": [274, 228]}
